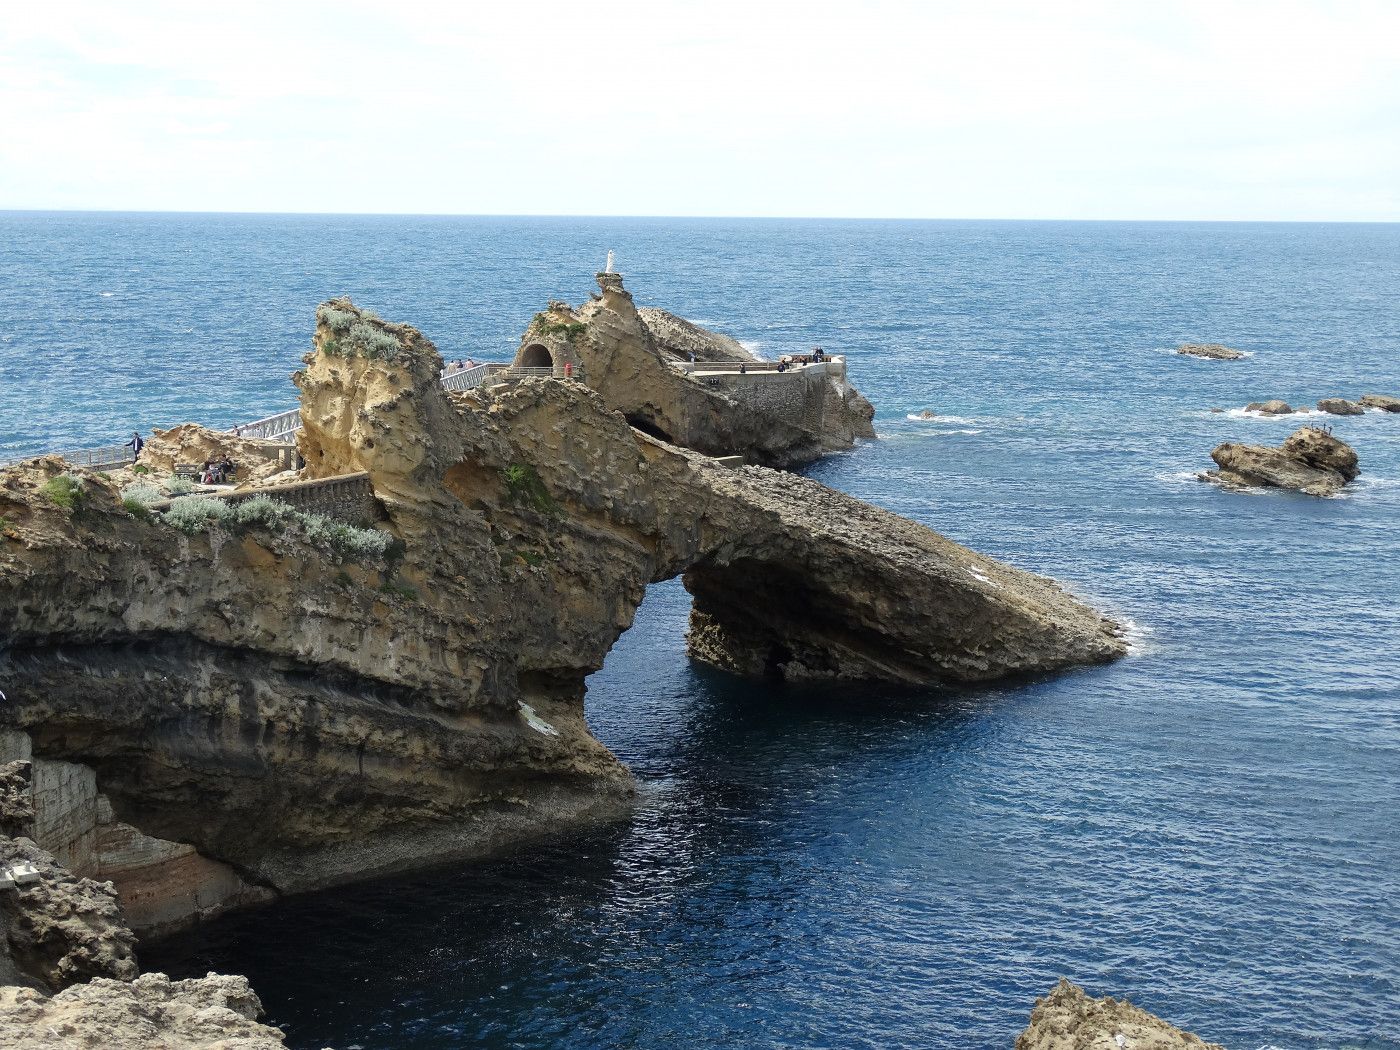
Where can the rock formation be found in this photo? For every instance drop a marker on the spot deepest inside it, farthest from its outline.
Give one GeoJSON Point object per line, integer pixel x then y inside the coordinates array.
{"type": "Point", "coordinates": [192, 443]}
{"type": "Point", "coordinates": [307, 708]}
{"type": "Point", "coordinates": [1338, 406]}
{"type": "Point", "coordinates": [1310, 461]}
{"type": "Point", "coordinates": [1211, 351]}
{"type": "Point", "coordinates": [634, 360]}
{"type": "Point", "coordinates": [150, 1013]}
{"type": "Point", "coordinates": [683, 340]}
{"type": "Point", "coordinates": [1270, 408]}
{"type": "Point", "coordinates": [1067, 1019]}
{"type": "Point", "coordinates": [1385, 404]}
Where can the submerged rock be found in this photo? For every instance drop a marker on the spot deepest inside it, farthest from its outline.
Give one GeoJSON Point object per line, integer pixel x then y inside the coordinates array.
{"type": "Point", "coordinates": [1338, 406]}
{"type": "Point", "coordinates": [1068, 1019]}
{"type": "Point", "coordinates": [1385, 404]}
{"type": "Point", "coordinates": [150, 1013]}
{"type": "Point", "coordinates": [1211, 352]}
{"type": "Point", "coordinates": [1310, 461]}
{"type": "Point", "coordinates": [1270, 408]}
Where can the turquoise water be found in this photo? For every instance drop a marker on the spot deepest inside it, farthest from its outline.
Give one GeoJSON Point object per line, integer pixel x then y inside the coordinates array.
{"type": "Point", "coordinates": [1208, 827]}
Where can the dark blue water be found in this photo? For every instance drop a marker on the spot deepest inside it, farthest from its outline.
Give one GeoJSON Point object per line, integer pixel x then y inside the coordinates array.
{"type": "Point", "coordinates": [1209, 827]}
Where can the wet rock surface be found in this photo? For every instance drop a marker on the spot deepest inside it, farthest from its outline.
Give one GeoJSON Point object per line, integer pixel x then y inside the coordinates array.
{"type": "Point", "coordinates": [1069, 1019]}
{"type": "Point", "coordinates": [1270, 408]}
{"type": "Point", "coordinates": [1339, 406]}
{"type": "Point", "coordinates": [1381, 401]}
{"type": "Point", "coordinates": [1311, 461]}
{"type": "Point", "coordinates": [1211, 352]}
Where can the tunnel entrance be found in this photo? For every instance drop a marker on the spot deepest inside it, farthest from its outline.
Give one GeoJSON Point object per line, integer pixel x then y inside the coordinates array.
{"type": "Point", "coordinates": [536, 355]}
{"type": "Point", "coordinates": [646, 426]}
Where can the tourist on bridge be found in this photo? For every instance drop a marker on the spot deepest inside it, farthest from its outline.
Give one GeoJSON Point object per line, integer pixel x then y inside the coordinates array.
{"type": "Point", "coordinates": [136, 445]}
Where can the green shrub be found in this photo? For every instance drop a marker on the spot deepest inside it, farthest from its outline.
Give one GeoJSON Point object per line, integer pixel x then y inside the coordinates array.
{"type": "Point", "coordinates": [342, 579]}
{"type": "Point", "coordinates": [137, 509]}
{"type": "Point", "coordinates": [523, 485]}
{"type": "Point", "coordinates": [142, 492]}
{"type": "Point", "coordinates": [370, 341]}
{"type": "Point", "coordinates": [178, 486]}
{"type": "Point", "coordinates": [337, 320]}
{"type": "Point", "coordinates": [192, 514]}
{"type": "Point", "coordinates": [67, 492]}
{"type": "Point", "coordinates": [140, 468]}
{"type": "Point", "coordinates": [5, 524]}
{"type": "Point", "coordinates": [544, 324]}
{"type": "Point", "coordinates": [344, 541]}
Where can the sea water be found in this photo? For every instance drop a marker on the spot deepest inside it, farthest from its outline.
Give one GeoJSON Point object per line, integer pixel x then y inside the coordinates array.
{"type": "Point", "coordinates": [1208, 826]}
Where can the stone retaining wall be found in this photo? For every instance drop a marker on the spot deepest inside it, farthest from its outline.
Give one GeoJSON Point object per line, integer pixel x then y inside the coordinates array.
{"type": "Point", "coordinates": [797, 398]}
{"type": "Point", "coordinates": [348, 498]}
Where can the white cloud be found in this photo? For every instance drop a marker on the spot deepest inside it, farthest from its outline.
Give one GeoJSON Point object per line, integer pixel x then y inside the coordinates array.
{"type": "Point", "coordinates": [1183, 110]}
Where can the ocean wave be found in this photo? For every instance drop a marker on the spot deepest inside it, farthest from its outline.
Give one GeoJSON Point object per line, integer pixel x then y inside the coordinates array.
{"type": "Point", "coordinates": [1179, 477]}
{"type": "Point", "coordinates": [1137, 635]}
{"type": "Point", "coordinates": [1247, 413]}
{"type": "Point", "coordinates": [751, 345]}
{"type": "Point", "coordinates": [106, 295]}
{"type": "Point", "coordinates": [916, 418]}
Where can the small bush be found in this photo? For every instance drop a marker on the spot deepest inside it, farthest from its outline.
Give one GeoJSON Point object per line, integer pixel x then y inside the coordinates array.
{"type": "Point", "coordinates": [67, 492]}
{"type": "Point", "coordinates": [142, 492]}
{"type": "Point", "coordinates": [523, 485]}
{"type": "Point", "coordinates": [263, 511]}
{"type": "Point", "coordinates": [140, 468]}
{"type": "Point", "coordinates": [137, 509]}
{"type": "Point", "coordinates": [6, 524]}
{"type": "Point", "coordinates": [370, 341]}
{"type": "Point", "coordinates": [337, 320]}
{"type": "Point", "coordinates": [194, 514]}
{"type": "Point", "coordinates": [344, 541]}
{"type": "Point", "coordinates": [342, 579]}
{"type": "Point", "coordinates": [178, 486]}
{"type": "Point", "coordinates": [398, 589]}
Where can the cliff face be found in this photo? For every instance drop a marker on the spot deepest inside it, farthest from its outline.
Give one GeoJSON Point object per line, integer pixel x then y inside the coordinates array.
{"type": "Point", "coordinates": [633, 358]}
{"type": "Point", "coordinates": [307, 712]}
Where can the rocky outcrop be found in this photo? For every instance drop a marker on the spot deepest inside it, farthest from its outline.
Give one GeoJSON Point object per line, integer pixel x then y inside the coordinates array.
{"type": "Point", "coordinates": [1211, 352]}
{"type": "Point", "coordinates": [59, 929]}
{"type": "Point", "coordinates": [306, 709]}
{"type": "Point", "coordinates": [1270, 408]}
{"type": "Point", "coordinates": [776, 419]}
{"type": "Point", "coordinates": [683, 340]}
{"type": "Point", "coordinates": [1338, 406]}
{"type": "Point", "coordinates": [1068, 1019]}
{"type": "Point", "coordinates": [1385, 404]}
{"type": "Point", "coordinates": [150, 1013]}
{"type": "Point", "coordinates": [192, 443]}
{"type": "Point", "coordinates": [1310, 461]}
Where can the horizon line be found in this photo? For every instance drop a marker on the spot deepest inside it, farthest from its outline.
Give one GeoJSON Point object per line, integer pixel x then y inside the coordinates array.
{"type": "Point", "coordinates": [720, 218]}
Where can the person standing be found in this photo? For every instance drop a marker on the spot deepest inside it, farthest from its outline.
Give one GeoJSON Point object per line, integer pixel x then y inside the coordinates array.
{"type": "Point", "coordinates": [136, 445]}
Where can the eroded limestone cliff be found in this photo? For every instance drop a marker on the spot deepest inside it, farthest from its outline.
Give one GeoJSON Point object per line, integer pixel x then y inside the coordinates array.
{"type": "Point", "coordinates": [307, 714]}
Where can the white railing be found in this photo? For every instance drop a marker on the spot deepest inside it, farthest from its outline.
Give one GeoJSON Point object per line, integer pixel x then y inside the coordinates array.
{"type": "Point", "coordinates": [522, 372]}
{"type": "Point", "coordinates": [282, 427]}
{"type": "Point", "coordinates": [828, 364]}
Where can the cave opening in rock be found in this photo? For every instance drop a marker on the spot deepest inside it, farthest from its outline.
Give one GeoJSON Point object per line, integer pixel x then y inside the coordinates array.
{"type": "Point", "coordinates": [536, 355]}
{"type": "Point", "coordinates": [646, 426]}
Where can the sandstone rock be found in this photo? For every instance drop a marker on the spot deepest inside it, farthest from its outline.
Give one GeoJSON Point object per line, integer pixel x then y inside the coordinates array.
{"type": "Point", "coordinates": [774, 419]}
{"type": "Point", "coordinates": [1270, 408]}
{"type": "Point", "coordinates": [150, 1013]}
{"type": "Point", "coordinates": [1211, 351]}
{"type": "Point", "coordinates": [309, 716]}
{"type": "Point", "coordinates": [927, 414]}
{"type": "Point", "coordinates": [1310, 461]}
{"type": "Point", "coordinates": [62, 928]}
{"type": "Point", "coordinates": [192, 443]}
{"type": "Point", "coordinates": [1385, 404]}
{"type": "Point", "coordinates": [1339, 407]}
{"type": "Point", "coordinates": [1319, 449]}
{"type": "Point", "coordinates": [679, 339]}
{"type": "Point", "coordinates": [1067, 1019]}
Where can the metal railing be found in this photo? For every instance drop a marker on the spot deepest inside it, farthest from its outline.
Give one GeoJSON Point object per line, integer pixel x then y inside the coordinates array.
{"type": "Point", "coordinates": [523, 372]}
{"type": "Point", "coordinates": [282, 427]}
{"type": "Point", "coordinates": [829, 364]}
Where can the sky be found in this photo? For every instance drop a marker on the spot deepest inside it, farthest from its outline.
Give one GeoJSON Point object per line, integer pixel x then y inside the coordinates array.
{"type": "Point", "coordinates": [864, 108]}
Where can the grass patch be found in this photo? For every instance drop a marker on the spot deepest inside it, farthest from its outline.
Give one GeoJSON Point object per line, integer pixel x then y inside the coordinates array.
{"type": "Point", "coordinates": [342, 579]}
{"type": "Point", "coordinates": [138, 509]}
{"type": "Point", "coordinates": [140, 468]}
{"type": "Point", "coordinates": [534, 559]}
{"type": "Point", "coordinates": [67, 492]}
{"type": "Point", "coordinates": [523, 485]}
{"type": "Point", "coordinates": [545, 324]}
{"type": "Point", "coordinates": [398, 589]}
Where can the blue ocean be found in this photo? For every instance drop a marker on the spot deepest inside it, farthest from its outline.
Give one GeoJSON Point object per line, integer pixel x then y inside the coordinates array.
{"type": "Point", "coordinates": [1210, 827]}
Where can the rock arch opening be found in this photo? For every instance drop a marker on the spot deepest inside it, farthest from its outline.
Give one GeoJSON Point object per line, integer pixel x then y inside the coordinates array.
{"type": "Point", "coordinates": [536, 355]}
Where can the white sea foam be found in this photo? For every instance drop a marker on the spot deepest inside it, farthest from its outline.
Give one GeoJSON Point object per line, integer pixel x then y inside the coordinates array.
{"type": "Point", "coordinates": [1137, 635]}
{"type": "Point", "coordinates": [107, 295]}
{"type": "Point", "coordinates": [1246, 413]}
{"type": "Point", "coordinates": [751, 345]}
{"type": "Point", "coordinates": [1180, 477]}
{"type": "Point", "coordinates": [915, 417]}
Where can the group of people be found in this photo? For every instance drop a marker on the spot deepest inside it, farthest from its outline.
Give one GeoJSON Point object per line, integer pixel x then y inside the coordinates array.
{"type": "Point", "coordinates": [216, 472]}
{"type": "Point", "coordinates": [457, 366]}
{"type": "Point", "coordinates": [817, 356]}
